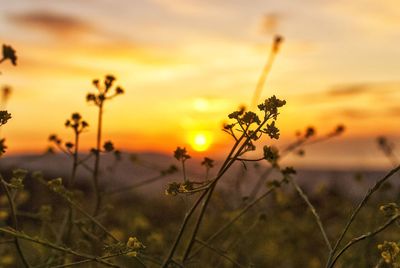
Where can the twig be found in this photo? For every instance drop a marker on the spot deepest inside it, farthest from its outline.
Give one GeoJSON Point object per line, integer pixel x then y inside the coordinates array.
{"type": "Point", "coordinates": [364, 236]}
{"type": "Point", "coordinates": [99, 258]}
{"type": "Point", "coordinates": [220, 253]}
{"type": "Point", "coordinates": [372, 190]}
{"type": "Point", "coordinates": [15, 222]}
{"type": "Point", "coordinates": [23, 236]}
{"type": "Point", "coordinates": [234, 219]}
{"type": "Point", "coordinates": [313, 211]}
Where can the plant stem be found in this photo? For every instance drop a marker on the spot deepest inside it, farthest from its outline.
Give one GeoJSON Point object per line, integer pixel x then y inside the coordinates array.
{"type": "Point", "coordinates": [364, 236]}
{"type": "Point", "coordinates": [313, 211]}
{"type": "Point", "coordinates": [182, 229]}
{"type": "Point", "coordinates": [97, 160]}
{"type": "Point", "coordinates": [220, 253]}
{"type": "Point", "coordinates": [372, 190]}
{"type": "Point", "coordinates": [23, 236]}
{"type": "Point", "coordinates": [227, 164]}
{"type": "Point", "coordinates": [91, 260]}
{"type": "Point", "coordinates": [234, 219]}
{"type": "Point", "coordinates": [75, 161]}
{"type": "Point", "coordinates": [15, 222]}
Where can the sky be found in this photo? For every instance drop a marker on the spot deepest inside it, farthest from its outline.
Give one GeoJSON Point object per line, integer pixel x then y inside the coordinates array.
{"type": "Point", "coordinates": [186, 64]}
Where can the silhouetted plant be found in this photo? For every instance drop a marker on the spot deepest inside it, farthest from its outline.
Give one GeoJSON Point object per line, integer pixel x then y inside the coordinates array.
{"type": "Point", "coordinates": [104, 92]}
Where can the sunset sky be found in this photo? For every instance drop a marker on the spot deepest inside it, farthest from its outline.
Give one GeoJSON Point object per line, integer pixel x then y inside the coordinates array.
{"type": "Point", "coordinates": [185, 64]}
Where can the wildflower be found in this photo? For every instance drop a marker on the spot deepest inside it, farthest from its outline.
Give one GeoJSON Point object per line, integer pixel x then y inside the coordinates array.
{"type": "Point", "coordinates": [207, 162]}
{"type": "Point", "coordinates": [340, 129]}
{"type": "Point", "coordinates": [69, 145]}
{"type": "Point", "coordinates": [56, 185]}
{"type": "Point", "coordinates": [185, 187]}
{"type": "Point", "coordinates": [271, 106]}
{"type": "Point", "coordinates": [271, 154]}
{"type": "Point", "coordinates": [277, 43]}
{"type": "Point", "coordinates": [119, 90]}
{"type": "Point", "coordinates": [272, 131]}
{"type": "Point", "coordinates": [108, 146]}
{"type": "Point", "coordinates": [54, 138]}
{"type": "Point", "coordinates": [3, 147]}
{"type": "Point", "coordinates": [287, 171]}
{"type": "Point", "coordinates": [9, 54]}
{"type": "Point", "coordinates": [390, 209]}
{"type": "Point", "coordinates": [181, 154]}
{"type": "Point", "coordinates": [389, 252]}
{"type": "Point", "coordinates": [4, 117]}
{"type": "Point", "coordinates": [310, 131]}
{"type": "Point", "coordinates": [250, 118]}
{"type": "Point", "coordinates": [134, 243]}
{"type": "Point", "coordinates": [172, 189]}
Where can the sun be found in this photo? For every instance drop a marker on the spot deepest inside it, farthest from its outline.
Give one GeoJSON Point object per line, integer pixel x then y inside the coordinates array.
{"type": "Point", "coordinates": [200, 141]}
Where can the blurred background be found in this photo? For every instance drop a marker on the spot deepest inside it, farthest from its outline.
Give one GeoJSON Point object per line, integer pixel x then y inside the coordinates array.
{"type": "Point", "coordinates": [186, 64]}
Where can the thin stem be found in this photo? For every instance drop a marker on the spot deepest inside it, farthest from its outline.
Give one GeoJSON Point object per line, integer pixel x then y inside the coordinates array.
{"type": "Point", "coordinates": [313, 211]}
{"type": "Point", "coordinates": [15, 222]}
{"type": "Point", "coordinates": [362, 237]}
{"type": "Point", "coordinates": [184, 170]}
{"type": "Point", "coordinates": [220, 253]}
{"type": "Point", "coordinates": [98, 258]}
{"type": "Point", "coordinates": [23, 236]}
{"type": "Point", "coordinates": [234, 219]}
{"type": "Point", "coordinates": [97, 161]}
{"type": "Point", "coordinates": [372, 190]}
{"type": "Point", "coordinates": [193, 208]}
{"type": "Point", "coordinates": [75, 160]}
{"type": "Point", "coordinates": [182, 229]}
{"type": "Point", "coordinates": [228, 163]}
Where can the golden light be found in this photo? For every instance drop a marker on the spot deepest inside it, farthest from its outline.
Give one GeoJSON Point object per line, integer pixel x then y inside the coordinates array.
{"type": "Point", "coordinates": [200, 141]}
{"type": "Point", "coordinates": [201, 104]}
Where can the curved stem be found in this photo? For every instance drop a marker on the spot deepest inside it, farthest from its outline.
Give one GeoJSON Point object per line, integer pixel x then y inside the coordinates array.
{"type": "Point", "coordinates": [97, 161]}
{"type": "Point", "coordinates": [372, 190]}
{"type": "Point", "coordinates": [364, 236]}
{"type": "Point", "coordinates": [313, 211]}
{"type": "Point", "coordinates": [234, 219]}
{"type": "Point", "coordinates": [23, 236]}
{"type": "Point", "coordinates": [182, 229]}
{"type": "Point", "coordinates": [15, 222]}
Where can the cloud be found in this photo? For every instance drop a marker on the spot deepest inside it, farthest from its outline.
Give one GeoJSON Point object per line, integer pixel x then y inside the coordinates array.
{"type": "Point", "coordinates": [355, 90]}
{"type": "Point", "coordinates": [58, 24]}
{"type": "Point", "coordinates": [270, 23]}
{"type": "Point", "coordinates": [355, 113]}
{"type": "Point", "coordinates": [349, 90]}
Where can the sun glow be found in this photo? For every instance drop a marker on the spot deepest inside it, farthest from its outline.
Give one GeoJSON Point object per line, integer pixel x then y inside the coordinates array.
{"type": "Point", "coordinates": [200, 141]}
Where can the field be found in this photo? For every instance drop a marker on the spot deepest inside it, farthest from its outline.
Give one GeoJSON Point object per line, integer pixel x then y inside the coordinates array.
{"type": "Point", "coordinates": [88, 201]}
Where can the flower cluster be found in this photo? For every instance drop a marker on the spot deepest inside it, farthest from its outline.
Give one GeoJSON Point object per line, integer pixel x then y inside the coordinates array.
{"type": "Point", "coordinates": [9, 54]}
{"type": "Point", "coordinates": [4, 117]}
{"type": "Point", "coordinates": [175, 188]}
{"type": "Point", "coordinates": [389, 210]}
{"type": "Point", "coordinates": [245, 120]}
{"type": "Point", "coordinates": [76, 123]}
{"type": "Point", "coordinates": [104, 91]}
{"type": "Point", "coordinates": [134, 245]}
{"type": "Point", "coordinates": [390, 253]}
{"type": "Point", "coordinates": [181, 154]}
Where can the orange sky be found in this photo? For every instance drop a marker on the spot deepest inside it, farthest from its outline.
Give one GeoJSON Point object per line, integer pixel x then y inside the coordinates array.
{"type": "Point", "coordinates": [186, 64]}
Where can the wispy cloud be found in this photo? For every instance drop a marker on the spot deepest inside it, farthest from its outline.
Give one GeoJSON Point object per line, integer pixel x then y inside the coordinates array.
{"type": "Point", "coordinates": [349, 90]}
{"type": "Point", "coordinates": [54, 23]}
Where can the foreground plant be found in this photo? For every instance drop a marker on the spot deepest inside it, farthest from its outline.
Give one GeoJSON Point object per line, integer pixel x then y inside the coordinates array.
{"type": "Point", "coordinates": [246, 129]}
{"type": "Point", "coordinates": [105, 92]}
